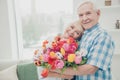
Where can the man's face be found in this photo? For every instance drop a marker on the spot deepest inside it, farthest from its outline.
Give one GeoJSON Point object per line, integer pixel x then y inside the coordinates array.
{"type": "Point", "coordinates": [88, 15]}
{"type": "Point", "coordinates": [73, 31]}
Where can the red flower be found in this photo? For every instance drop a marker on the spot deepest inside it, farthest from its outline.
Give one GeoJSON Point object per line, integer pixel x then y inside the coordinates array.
{"type": "Point", "coordinates": [71, 40]}
{"type": "Point", "coordinates": [57, 38]}
{"type": "Point", "coordinates": [51, 61]}
{"type": "Point", "coordinates": [44, 73]}
{"type": "Point", "coordinates": [37, 63]}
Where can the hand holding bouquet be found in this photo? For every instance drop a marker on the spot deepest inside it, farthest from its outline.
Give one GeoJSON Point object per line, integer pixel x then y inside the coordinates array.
{"type": "Point", "coordinates": [58, 54]}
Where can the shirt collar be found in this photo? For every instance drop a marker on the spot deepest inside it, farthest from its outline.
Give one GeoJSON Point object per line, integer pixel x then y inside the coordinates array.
{"type": "Point", "coordinates": [92, 28]}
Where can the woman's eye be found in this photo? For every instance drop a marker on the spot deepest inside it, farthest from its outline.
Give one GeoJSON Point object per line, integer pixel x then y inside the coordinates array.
{"type": "Point", "coordinates": [77, 33]}
{"type": "Point", "coordinates": [72, 27]}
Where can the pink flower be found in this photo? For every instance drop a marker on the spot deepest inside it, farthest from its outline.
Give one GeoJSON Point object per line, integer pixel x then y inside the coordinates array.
{"type": "Point", "coordinates": [69, 48]}
{"type": "Point", "coordinates": [72, 48]}
{"type": "Point", "coordinates": [59, 64]}
{"type": "Point", "coordinates": [78, 59]}
{"type": "Point", "coordinates": [66, 46]}
{"type": "Point", "coordinates": [45, 57]}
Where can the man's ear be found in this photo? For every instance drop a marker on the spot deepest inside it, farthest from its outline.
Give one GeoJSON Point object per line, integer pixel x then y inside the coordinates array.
{"type": "Point", "coordinates": [98, 12]}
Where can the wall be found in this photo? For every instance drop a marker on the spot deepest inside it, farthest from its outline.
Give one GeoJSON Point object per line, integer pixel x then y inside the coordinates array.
{"type": "Point", "coordinates": [5, 41]}
{"type": "Point", "coordinates": [109, 15]}
{"type": "Point", "coordinates": [115, 67]}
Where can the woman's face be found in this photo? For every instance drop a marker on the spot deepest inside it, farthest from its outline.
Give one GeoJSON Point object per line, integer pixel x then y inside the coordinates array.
{"type": "Point", "coordinates": [72, 31]}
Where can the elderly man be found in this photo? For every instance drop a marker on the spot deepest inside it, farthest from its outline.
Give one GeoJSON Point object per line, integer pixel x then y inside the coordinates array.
{"type": "Point", "coordinates": [96, 45]}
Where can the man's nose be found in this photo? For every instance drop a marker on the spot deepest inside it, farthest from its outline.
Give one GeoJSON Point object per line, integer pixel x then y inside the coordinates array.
{"type": "Point", "coordinates": [84, 17]}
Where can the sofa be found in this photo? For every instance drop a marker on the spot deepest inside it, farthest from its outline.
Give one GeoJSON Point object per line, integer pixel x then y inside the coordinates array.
{"type": "Point", "coordinates": [18, 70]}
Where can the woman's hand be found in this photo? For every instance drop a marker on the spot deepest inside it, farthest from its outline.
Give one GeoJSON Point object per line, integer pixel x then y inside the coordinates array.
{"type": "Point", "coordinates": [59, 75]}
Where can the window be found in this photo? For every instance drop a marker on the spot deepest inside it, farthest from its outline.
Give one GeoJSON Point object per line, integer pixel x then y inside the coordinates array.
{"type": "Point", "coordinates": [38, 19]}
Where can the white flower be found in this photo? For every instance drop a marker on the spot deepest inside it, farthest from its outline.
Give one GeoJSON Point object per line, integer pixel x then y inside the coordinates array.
{"type": "Point", "coordinates": [59, 55]}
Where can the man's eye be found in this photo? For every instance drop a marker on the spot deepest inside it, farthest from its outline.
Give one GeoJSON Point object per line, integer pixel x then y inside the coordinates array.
{"type": "Point", "coordinates": [80, 15]}
{"type": "Point", "coordinates": [88, 13]}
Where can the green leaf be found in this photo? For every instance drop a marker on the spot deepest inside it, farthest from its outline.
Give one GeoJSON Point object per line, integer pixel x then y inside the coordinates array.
{"type": "Point", "coordinates": [84, 60]}
{"type": "Point", "coordinates": [75, 67]}
{"type": "Point", "coordinates": [48, 66]}
{"type": "Point", "coordinates": [63, 69]}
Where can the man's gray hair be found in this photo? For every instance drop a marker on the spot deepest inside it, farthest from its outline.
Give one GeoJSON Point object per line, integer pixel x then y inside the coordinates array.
{"type": "Point", "coordinates": [92, 2]}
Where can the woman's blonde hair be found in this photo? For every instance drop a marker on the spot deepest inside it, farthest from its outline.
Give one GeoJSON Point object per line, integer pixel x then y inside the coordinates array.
{"type": "Point", "coordinates": [78, 25]}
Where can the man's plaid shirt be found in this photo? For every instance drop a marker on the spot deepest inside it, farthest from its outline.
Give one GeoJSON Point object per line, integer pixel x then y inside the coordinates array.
{"type": "Point", "coordinates": [99, 49]}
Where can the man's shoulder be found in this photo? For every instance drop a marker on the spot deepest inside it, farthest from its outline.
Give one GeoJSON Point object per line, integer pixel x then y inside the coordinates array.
{"type": "Point", "coordinates": [101, 34]}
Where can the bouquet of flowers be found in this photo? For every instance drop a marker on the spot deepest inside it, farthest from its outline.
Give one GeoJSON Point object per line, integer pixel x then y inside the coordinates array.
{"type": "Point", "coordinates": [58, 54]}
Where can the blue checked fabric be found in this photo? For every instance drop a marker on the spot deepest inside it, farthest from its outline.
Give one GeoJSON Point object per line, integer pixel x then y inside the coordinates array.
{"type": "Point", "coordinates": [100, 48]}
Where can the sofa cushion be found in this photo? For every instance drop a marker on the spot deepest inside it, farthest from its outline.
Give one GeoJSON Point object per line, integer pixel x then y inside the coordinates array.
{"type": "Point", "coordinates": [27, 71]}
{"type": "Point", "coordinates": [9, 73]}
